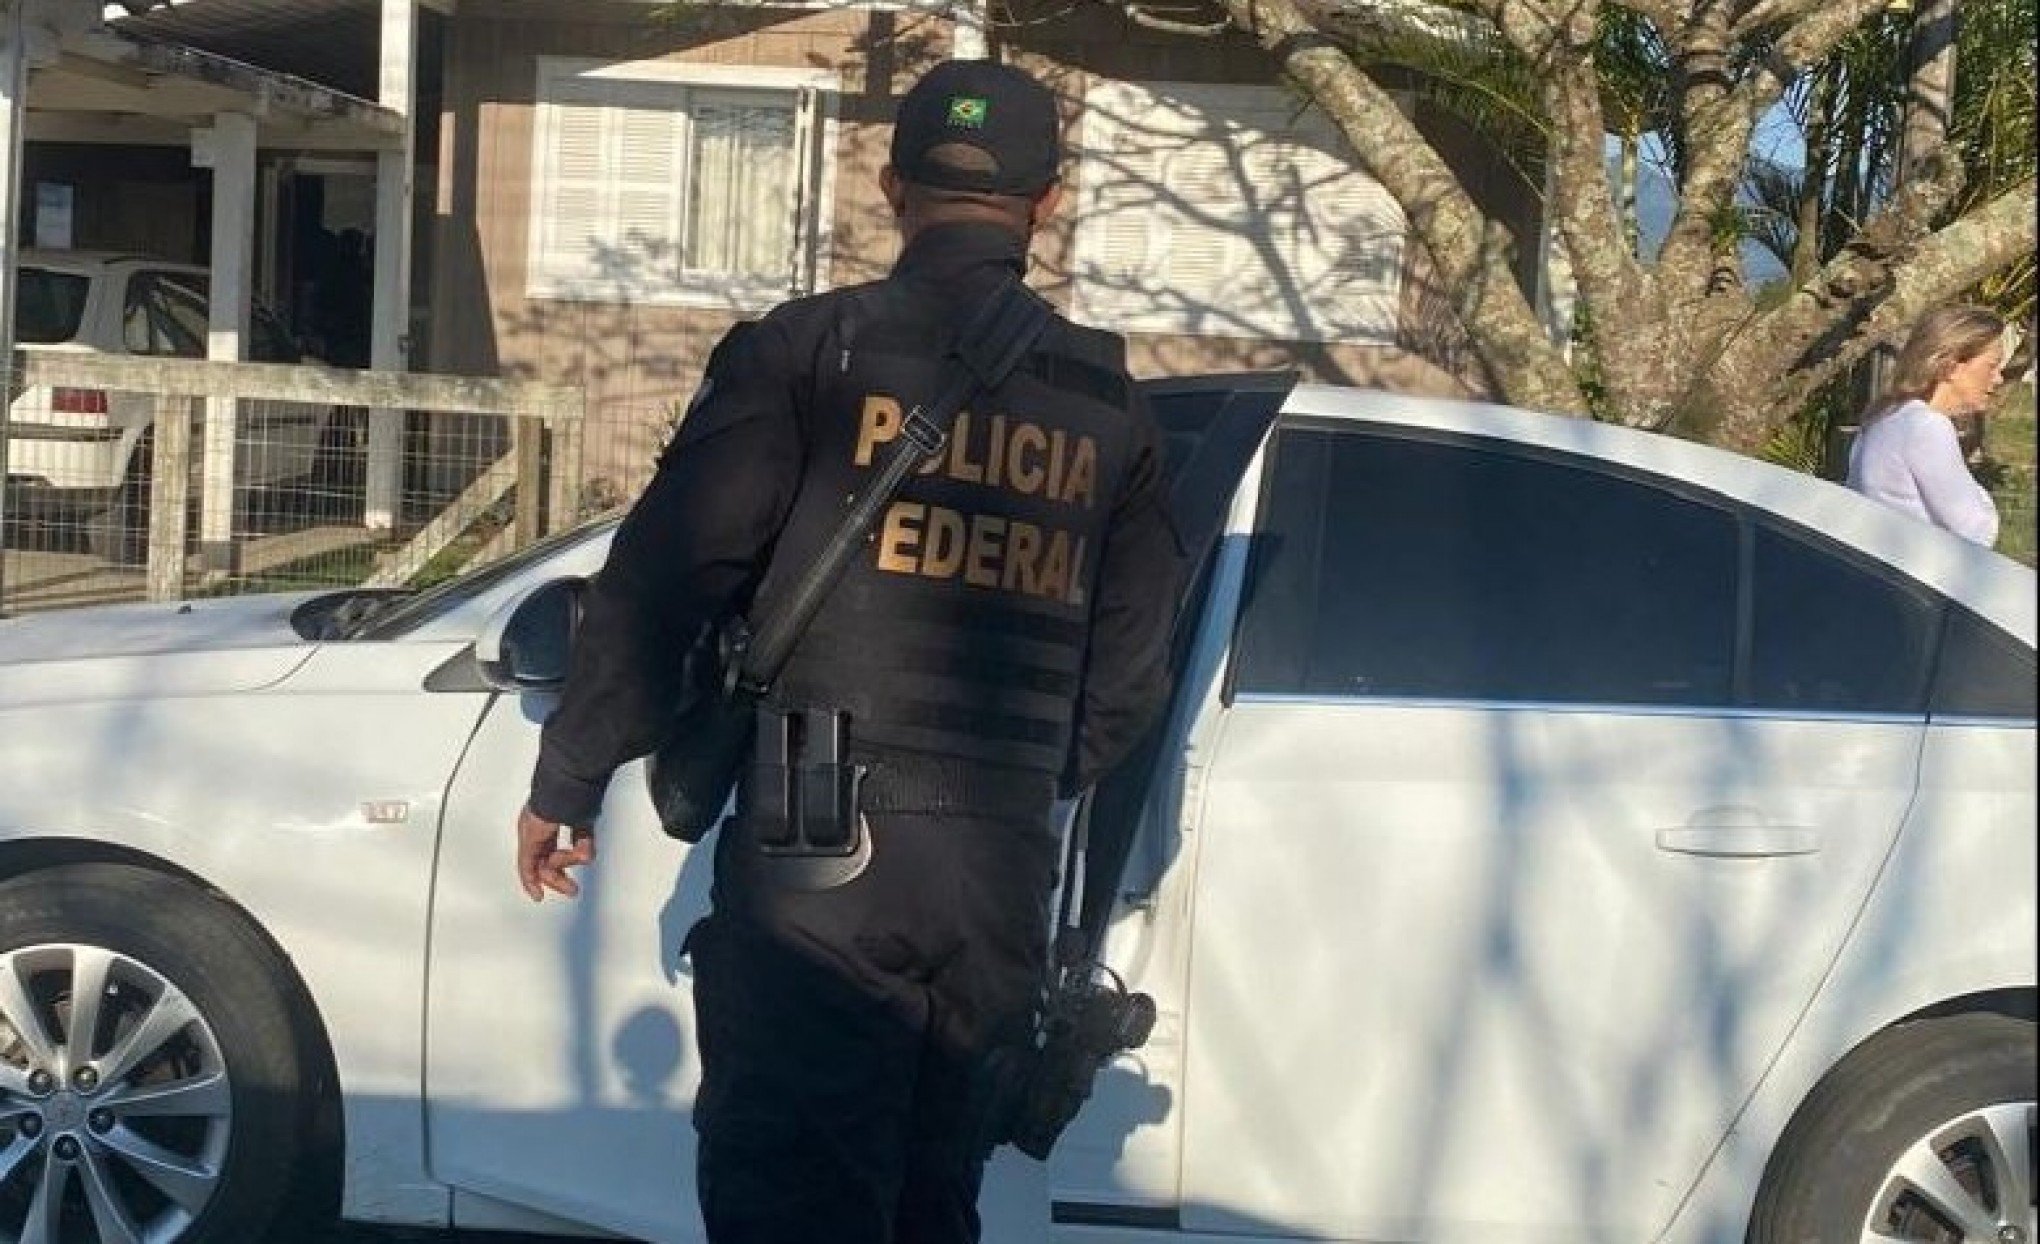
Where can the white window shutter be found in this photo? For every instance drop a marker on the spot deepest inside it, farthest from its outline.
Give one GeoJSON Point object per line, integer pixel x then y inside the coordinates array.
{"type": "Point", "coordinates": [607, 187]}
{"type": "Point", "coordinates": [1125, 208]}
{"type": "Point", "coordinates": [643, 251]}
{"type": "Point", "coordinates": [1206, 267]}
{"type": "Point", "coordinates": [1341, 232]}
{"type": "Point", "coordinates": [1228, 211]}
{"type": "Point", "coordinates": [572, 216]}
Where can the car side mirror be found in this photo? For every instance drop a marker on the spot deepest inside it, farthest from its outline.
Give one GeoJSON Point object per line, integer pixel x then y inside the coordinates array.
{"type": "Point", "coordinates": [525, 645]}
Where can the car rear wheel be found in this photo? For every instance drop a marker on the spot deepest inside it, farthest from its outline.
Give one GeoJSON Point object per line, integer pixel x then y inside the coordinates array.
{"type": "Point", "coordinates": [150, 1075]}
{"type": "Point", "coordinates": [1925, 1135]}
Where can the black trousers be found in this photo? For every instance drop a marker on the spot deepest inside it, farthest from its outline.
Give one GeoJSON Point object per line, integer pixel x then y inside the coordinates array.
{"type": "Point", "coordinates": [844, 1033]}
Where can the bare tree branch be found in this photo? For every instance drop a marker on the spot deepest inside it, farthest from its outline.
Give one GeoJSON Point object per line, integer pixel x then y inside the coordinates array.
{"type": "Point", "coordinates": [1527, 25]}
{"type": "Point", "coordinates": [1717, 121]}
{"type": "Point", "coordinates": [1662, 13]}
{"type": "Point", "coordinates": [1403, 18]}
{"type": "Point", "coordinates": [1864, 265]}
{"type": "Point", "coordinates": [1612, 282]}
{"type": "Point", "coordinates": [1947, 264]}
{"type": "Point", "coordinates": [1767, 13]}
{"type": "Point", "coordinates": [1719, 118]}
{"type": "Point", "coordinates": [1809, 38]}
{"type": "Point", "coordinates": [1869, 296]}
{"type": "Point", "coordinates": [1830, 21]}
{"type": "Point", "coordinates": [1147, 15]}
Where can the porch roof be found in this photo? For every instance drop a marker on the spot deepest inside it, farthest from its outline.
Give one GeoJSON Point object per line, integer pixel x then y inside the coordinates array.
{"type": "Point", "coordinates": [115, 85]}
{"type": "Point", "coordinates": [331, 42]}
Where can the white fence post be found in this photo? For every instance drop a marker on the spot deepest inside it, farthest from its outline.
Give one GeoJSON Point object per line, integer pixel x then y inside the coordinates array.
{"type": "Point", "coordinates": [169, 495]}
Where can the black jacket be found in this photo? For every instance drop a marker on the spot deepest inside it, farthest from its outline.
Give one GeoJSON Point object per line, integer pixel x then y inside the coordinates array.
{"type": "Point", "coordinates": [753, 471]}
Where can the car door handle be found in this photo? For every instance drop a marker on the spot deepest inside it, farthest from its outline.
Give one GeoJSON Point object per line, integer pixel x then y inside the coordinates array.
{"type": "Point", "coordinates": [1737, 833]}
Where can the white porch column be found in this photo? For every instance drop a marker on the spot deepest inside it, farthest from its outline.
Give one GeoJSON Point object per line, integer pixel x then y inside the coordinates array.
{"type": "Point", "coordinates": [228, 149]}
{"type": "Point", "coordinates": [390, 330]}
{"type": "Point", "coordinates": [13, 121]}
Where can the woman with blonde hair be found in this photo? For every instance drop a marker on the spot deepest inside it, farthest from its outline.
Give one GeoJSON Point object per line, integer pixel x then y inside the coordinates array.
{"type": "Point", "coordinates": [1908, 454]}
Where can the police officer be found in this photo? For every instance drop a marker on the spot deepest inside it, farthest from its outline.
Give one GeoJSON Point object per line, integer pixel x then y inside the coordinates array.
{"type": "Point", "coordinates": [1001, 637]}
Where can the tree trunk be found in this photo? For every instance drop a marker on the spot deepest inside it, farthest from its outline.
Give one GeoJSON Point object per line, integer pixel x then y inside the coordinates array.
{"type": "Point", "coordinates": [1929, 100]}
{"type": "Point", "coordinates": [1808, 253]}
{"type": "Point", "coordinates": [1930, 89]}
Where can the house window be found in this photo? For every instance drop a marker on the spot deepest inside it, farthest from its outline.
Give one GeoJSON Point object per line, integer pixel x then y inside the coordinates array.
{"type": "Point", "coordinates": [666, 182]}
{"type": "Point", "coordinates": [1229, 211]}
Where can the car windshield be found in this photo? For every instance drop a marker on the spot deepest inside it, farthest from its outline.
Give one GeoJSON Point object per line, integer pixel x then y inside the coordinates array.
{"type": "Point", "coordinates": [49, 306]}
{"type": "Point", "coordinates": [411, 612]}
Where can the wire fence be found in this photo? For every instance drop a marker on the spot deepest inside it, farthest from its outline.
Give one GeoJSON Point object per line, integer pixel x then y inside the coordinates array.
{"type": "Point", "coordinates": [163, 479]}
{"type": "Point", "coordinates": [135, 478]}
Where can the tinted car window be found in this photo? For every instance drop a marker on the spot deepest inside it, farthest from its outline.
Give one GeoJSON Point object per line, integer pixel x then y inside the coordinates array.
{"type": "Point", "coordinates": [164, 314]}
{"type": "Point", "coordinates": [181, 315]}
{"type": "Point", "coordinates": [168, 313]}
{"type": "Point", "coordinates": [49, 306]}
{"type": "Point", "coordinates": [1405, 567]}
{"type": "Point", "coordinates": [1832, 635]}
{"type": "Point", "coordinates": [1983, 671]}
{"type": "Point", "coordinates": [137, 328]}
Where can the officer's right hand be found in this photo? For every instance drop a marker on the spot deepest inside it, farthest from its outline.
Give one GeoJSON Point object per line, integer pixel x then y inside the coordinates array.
{"type": "Point", "coordinates": [542, 863]}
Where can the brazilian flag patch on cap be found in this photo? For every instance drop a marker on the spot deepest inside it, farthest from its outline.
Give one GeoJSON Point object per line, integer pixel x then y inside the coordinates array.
{"type": "Point", "coordinates": [967, 112]}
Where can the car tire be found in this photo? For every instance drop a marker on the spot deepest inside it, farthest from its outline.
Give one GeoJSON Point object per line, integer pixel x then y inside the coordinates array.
{"type": "Point", "coordinates": [1908, 1136]}
{"type": "Point", "coordinates": [194, 1115]}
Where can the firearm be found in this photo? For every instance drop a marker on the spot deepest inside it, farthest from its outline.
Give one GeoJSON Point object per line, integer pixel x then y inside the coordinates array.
{"type": "Point", "coordinates": [1090, 1017]}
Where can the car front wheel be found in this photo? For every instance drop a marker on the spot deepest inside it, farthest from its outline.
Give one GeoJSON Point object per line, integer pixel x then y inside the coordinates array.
{"type": "Point", "coordinates": [149, 1069]}
{"type": "Point", "coordinates": [1923, 1136]}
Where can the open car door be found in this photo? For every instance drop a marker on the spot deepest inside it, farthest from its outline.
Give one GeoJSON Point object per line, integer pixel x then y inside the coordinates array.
{"type": "Point", "coordinates": [1118, 1163]}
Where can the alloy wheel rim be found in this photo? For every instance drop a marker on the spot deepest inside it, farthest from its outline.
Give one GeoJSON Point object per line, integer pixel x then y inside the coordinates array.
{"type": "Point", "coordinates": [1968, 1181]}
{"type": "Point", "coordinates": [115, 1105]}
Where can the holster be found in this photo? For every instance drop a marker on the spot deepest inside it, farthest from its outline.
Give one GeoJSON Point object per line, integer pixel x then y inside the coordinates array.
{"type": "Point", "coordinates": [700, 759]}
{"type": "Point", "coordinates": [798, 797]}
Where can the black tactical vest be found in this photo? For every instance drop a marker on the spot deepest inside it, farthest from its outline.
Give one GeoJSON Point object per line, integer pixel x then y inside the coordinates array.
{"type": "Point", "coordinates": [956, 639]}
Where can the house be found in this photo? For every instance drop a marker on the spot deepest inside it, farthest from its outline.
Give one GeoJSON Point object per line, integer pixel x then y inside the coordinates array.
{"type": "Point", "coordinates": [604, 186]}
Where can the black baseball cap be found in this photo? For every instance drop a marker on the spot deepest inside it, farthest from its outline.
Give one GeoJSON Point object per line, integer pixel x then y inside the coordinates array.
{"type": "Point", "coordinates": [1000, 113]}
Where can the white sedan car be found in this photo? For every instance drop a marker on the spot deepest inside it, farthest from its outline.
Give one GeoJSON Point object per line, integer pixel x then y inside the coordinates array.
{"type": "Point", "coordinates": [1561, 833]}
{"type": "Point", "coordinates": [87, 451]}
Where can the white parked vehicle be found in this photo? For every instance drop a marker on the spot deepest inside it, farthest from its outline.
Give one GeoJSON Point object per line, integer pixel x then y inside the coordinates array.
{"type": "Point", "coordinates": [1561, 833]}
{"type": "Point", "coordinates": [87, 451]}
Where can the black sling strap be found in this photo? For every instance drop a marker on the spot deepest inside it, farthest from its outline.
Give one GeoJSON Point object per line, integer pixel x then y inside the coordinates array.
{"type": "Point", "coordinates": [985, 353]}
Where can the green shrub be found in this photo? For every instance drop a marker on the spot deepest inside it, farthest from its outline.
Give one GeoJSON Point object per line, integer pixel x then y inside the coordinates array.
{"type": "Point", "coordinates": [2008, 446]}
